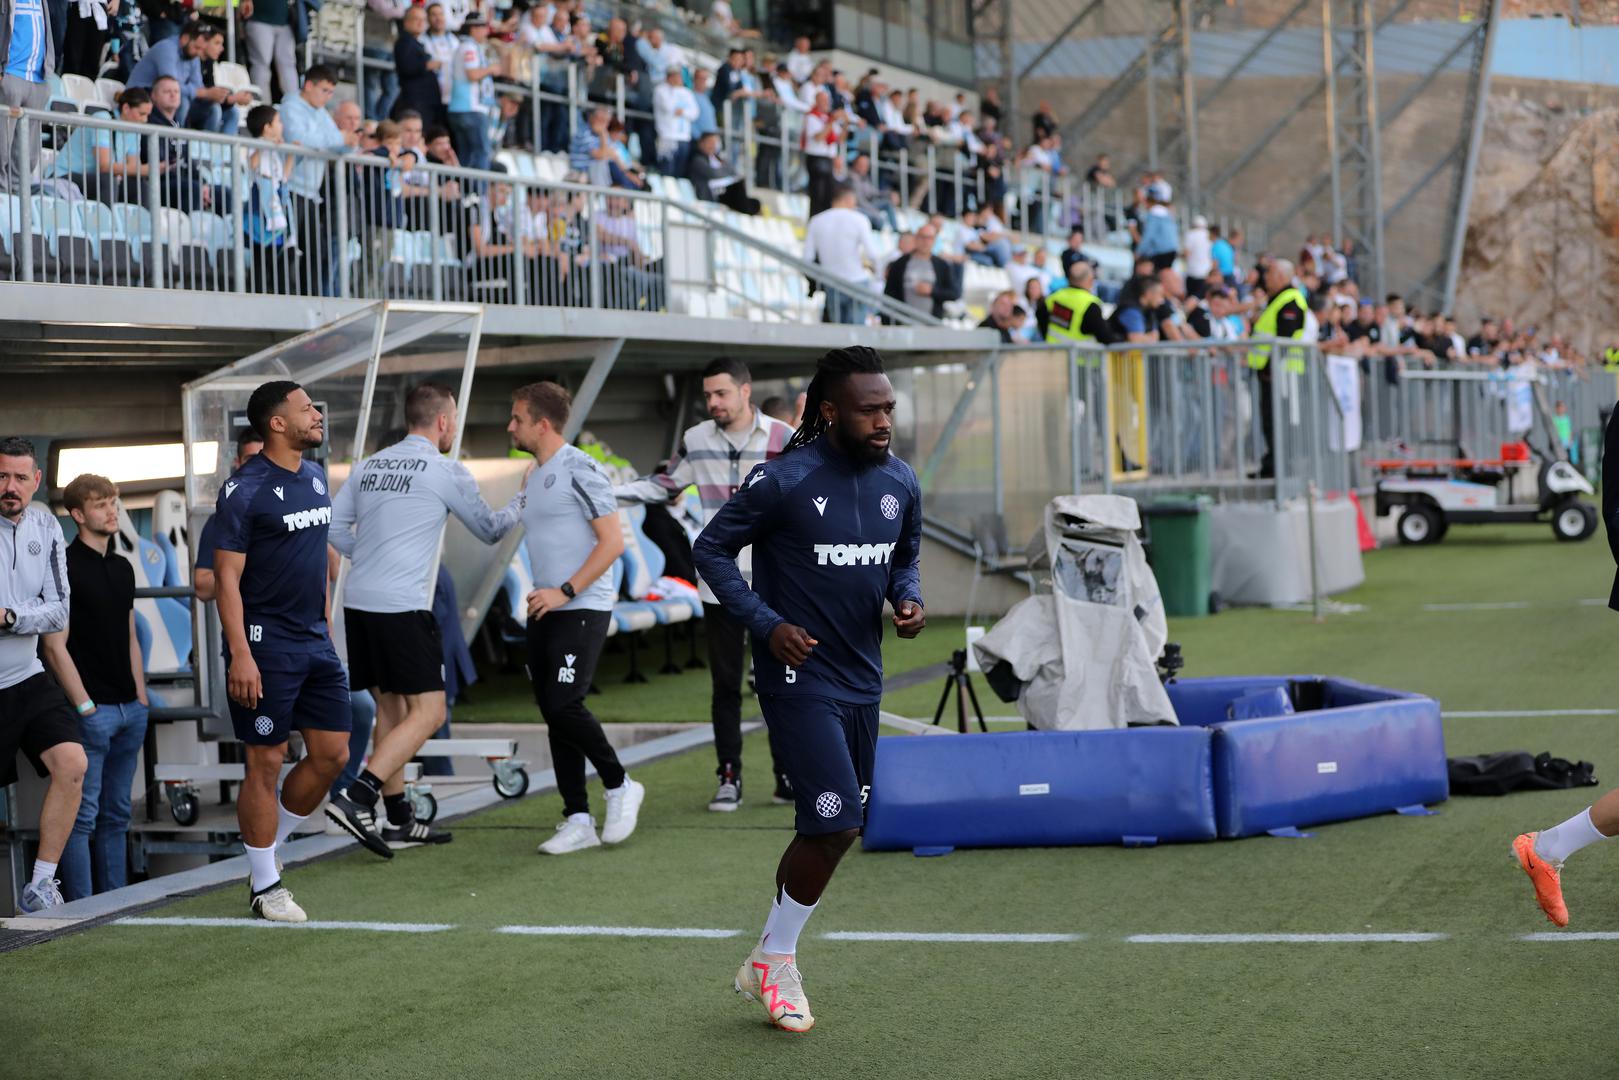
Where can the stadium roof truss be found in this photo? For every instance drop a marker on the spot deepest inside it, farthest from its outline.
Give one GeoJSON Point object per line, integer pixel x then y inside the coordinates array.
{"type": "Point", "coordinates": [1345, 91]}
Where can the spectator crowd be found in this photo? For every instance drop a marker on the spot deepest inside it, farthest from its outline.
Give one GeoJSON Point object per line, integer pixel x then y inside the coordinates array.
{"type": "Point", "coordinates": [449, 83]}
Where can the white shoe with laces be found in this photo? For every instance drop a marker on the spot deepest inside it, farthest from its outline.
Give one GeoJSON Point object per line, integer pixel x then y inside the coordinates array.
{"type": "Point", "coordinates": [277, 905]}
{"type": "Point", "coordinates": [623, 808]}
{"type": "Point", "coordinates": [40, 896]}
{"type": "Point", "coordinates": [774, 982]}
{"type": "Point", "coordinates": [577, 833]}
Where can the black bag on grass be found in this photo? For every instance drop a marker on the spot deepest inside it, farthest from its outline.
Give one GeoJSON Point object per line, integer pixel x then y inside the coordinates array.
{"type": "Point", "coordinates": [1516, 770]}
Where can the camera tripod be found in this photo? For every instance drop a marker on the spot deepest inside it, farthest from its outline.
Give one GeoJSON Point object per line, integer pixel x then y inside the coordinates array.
{"type": "Point", "coordinates": [962, 683]}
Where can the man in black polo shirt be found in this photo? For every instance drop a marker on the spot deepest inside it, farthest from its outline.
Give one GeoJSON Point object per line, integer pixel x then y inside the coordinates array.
{"type": "Point", "coordinates": [97, 659]}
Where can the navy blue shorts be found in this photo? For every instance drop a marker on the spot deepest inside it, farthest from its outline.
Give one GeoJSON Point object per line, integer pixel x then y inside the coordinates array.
{"type": "Point", "coordinates": [827, 748]}
{"type": "Point", "coordinates": [300, 690]}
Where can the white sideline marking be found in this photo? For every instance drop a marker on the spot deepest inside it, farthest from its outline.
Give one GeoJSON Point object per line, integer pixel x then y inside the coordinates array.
{"type": "Point", "coordinates": [1278, 939]}
{"type": "Point", "coordinates": [313, 924]}
{"type": "Point", "coordinates": [618, 931]}
{"type": "Point", "coordinates": [1491, 714]}
{"type": "Point", "coordinates": [1564, 935]}
{"type": "Point", "coordinates": [1493, 605]}
{"type": "Point", "coordinates": [904, 935]}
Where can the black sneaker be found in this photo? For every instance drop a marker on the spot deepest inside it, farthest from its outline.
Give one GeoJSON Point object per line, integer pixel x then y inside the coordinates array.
{"type": "Point", "coordinates": [783, 795]}
{"type": "Point", "coordinates": [359, 821]}
{"type": "Point", "coordinates": [728, 796]}
{"type": "Point", "coordinates": [414, 833]}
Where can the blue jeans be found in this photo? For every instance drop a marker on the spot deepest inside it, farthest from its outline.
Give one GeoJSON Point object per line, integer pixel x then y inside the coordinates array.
{"type": "Point", "coordinates": [161, 29]}
{"type": "Point", "coordinates": [843, 308]}
{"type": "Point", "coordinates": [113, 737]}
{"type": "Point", "coordinates": [381, 84]}
{"type": "Point", "coordinates": [674, 162]}
{"type": "Point", "coordinates": [363, 711]}
{"type": "Point", "coordinates": [212, 116]}
{"type": "Point", "coordinates": [470, 131]}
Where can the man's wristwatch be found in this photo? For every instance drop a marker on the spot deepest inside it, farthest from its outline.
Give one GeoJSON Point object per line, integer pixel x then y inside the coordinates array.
{"type": "Point", "coordinates": [567, 590]}
{"type": "Point", "coordinates": [11, 619]}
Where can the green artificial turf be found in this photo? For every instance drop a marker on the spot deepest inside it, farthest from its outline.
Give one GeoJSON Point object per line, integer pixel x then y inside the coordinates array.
{"type": "Point", "coordinates": [136, 1001]}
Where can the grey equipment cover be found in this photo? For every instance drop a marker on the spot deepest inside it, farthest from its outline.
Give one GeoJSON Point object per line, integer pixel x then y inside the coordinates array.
{"type": "Point", "coordinates": [1086, 644]}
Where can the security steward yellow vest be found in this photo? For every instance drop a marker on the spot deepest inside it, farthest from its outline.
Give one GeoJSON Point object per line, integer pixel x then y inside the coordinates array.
{"type": "Point", "coordinates": [1265, 326]}
{"type": "Point", "coordinates": [1610, 359]}
{"type": "Point", "coordinates": [1068, 307]}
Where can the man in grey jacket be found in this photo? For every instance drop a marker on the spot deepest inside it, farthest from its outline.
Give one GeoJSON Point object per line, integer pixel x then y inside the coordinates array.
{"type": "Point", "coordinates": [28, 55]}
{"type": "Point", "coordinates": [35, 716]}
{"type": "Point", "coordinates": [388, 519]}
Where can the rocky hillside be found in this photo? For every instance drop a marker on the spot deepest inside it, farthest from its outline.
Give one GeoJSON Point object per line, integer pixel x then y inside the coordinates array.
{"type": "Point", "coordinates": [1543, 235]}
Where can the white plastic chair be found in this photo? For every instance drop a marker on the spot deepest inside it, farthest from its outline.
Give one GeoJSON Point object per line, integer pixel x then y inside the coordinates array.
{"type": "Point", "coordinates": [109, 89]}
{"type": "Point", "coordinates": [78, 88]}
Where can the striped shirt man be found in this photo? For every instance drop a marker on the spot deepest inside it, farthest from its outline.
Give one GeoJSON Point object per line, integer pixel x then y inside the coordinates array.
{"type": "Point", "coordinates": [716, 461]}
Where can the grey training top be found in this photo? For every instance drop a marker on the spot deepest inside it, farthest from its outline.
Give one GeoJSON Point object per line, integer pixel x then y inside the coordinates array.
{"type": "Point", "coordinates": [389, 516]}
{"type": "Point", "coordinates": [562, 498]}
{"type": "Point", "coordinates": [33, 583]}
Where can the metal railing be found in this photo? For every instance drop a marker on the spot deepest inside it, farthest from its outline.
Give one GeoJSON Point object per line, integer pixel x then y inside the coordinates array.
{"type": "Point", "coordinates": [138, 205]}
{"type": "Point", "coordinates": [996, 439]}
{"type": "Point", "coordinates": [1468, 412]}
{"type": "Point", "coordinates": [922, 175]}
{"type": "Point", "coordinates": [923, 171]}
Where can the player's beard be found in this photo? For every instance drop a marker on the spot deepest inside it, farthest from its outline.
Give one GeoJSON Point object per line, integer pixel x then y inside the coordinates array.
{"type": "Point", "coordinates": [861, 449]}
{"type": "Point", "coordinates": [310, 437]}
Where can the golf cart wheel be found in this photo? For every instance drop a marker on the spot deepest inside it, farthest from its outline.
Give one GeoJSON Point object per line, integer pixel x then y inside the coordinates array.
{"type": "Point", "coordinates": [511, 783]}
{"type": "Point", "coordinates": [1574, 521]}
{"type": "Point", "coordinates": [1420, 525]}
{"type": "Point", "coordinates": [423, 805]}
{"type": "Point", "coordinates": [184, 806]}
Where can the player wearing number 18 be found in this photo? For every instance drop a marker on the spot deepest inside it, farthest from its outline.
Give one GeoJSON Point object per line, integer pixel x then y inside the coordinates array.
{"type": "Point", "coordinates": [836, 528]}
{"type": "Point", "coordinates": [282, 670]}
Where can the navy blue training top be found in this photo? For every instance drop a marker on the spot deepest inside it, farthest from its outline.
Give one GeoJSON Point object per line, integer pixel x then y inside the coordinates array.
{"type": "Point", "coordinates": [832, 540]}
{"type": "Point", "coordinates": [279, 520]}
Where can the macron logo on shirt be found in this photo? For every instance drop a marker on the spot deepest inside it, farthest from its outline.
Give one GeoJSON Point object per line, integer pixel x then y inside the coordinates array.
{"type": "Point", "coordinates": [304, 519]}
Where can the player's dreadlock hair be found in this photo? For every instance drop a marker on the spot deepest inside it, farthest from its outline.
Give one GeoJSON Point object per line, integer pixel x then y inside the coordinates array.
{"type": "Point", "coordinates": [830, 371]}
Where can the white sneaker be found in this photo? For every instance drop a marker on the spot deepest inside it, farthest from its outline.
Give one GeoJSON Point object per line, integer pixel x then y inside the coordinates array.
{"type": "Point", "coordinates": [277, 905]}
{"type": "Point", "coordinates": [575, 834]}
{"type": "Point", "coordinates": [39, 897]}
{"type": "Point", "coordinates": [623, 807]}
{"type": "Point", "coordinates": [774, 982]}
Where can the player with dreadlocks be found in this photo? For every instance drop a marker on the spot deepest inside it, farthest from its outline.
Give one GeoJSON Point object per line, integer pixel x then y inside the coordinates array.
{"type": "Point", "coordinates": [836, 527]}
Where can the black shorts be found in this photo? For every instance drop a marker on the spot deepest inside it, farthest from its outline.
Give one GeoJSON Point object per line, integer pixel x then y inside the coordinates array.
{"type": "Point", "coordinates": [397, 652]}
{"type": "Point", "coordinates": [827, 748]}
{"type": "Point", "coordinates": [35, 715]}
{"type": "Point", "coordinates": [299, 690]}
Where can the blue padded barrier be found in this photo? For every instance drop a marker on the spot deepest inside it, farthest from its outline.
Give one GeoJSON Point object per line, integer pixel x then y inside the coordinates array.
{"type": "Point", "coordinates": [1022, 789]}
{"type": "Point", "coordinates": [1261, 704]}
{"type": "Point", "coordinates": [1363, 750]}
{"type": "Point", "coordinates": [1345, 750]}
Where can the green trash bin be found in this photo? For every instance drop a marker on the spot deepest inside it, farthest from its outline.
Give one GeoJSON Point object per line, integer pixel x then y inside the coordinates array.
{"type": "Point", "coordinates": [1179, 553]}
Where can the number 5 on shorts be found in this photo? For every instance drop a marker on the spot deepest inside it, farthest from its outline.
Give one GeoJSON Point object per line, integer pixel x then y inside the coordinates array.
{"type": "Point", "coordinates": [792, 675]}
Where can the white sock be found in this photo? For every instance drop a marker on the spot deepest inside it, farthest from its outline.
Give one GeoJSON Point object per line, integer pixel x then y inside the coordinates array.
{"type": "Point", "coordinates": [262, 862]}
{"type": "Point", "coordinates": [787, 919]}
{"type": "Point", "coordinates": [43, 871]}
{"type": "Point", "coordinates": [1557, 844]}
{"type": "Point", "coordinates": [770, 920]}
{"type": "Point", "coordinates": [287, 823]}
